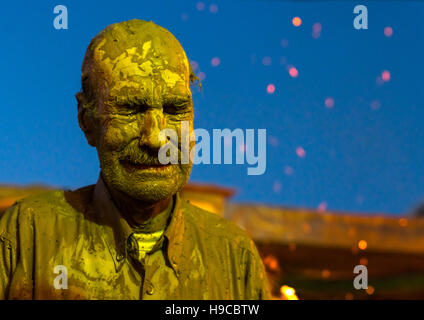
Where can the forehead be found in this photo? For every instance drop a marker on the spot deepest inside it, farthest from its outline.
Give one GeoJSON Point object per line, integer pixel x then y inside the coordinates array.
{"type": "Point", "coordinates": [150, 62]}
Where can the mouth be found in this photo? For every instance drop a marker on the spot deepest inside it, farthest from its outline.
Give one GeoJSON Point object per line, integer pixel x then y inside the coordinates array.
{"type": "Point", "coordinates": [130, 166]}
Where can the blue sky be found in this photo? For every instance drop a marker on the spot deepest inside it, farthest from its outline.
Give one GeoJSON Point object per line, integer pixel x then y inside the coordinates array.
{"type": "Point", "coordinates": [363, 154]}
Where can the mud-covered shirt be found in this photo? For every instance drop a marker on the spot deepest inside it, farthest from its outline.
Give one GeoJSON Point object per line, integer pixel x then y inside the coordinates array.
{"type": "Point", "coordinates": [76, 245]}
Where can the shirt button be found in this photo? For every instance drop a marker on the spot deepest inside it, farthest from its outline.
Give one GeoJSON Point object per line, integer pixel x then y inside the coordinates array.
{"type": "Point", "coordinates": [150, 289]}
{"type": "Point", "coordinates": [120, 257]}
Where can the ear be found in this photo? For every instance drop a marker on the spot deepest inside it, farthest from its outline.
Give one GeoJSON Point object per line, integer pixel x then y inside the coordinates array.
{"type": "Point", "coordinates": [85, 119]}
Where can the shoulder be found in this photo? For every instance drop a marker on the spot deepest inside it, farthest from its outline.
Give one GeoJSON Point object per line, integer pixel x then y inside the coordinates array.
{"type": "Point", "coordinates": [211, 225]}
{"type": "Point", "coordinates": [54, 202]}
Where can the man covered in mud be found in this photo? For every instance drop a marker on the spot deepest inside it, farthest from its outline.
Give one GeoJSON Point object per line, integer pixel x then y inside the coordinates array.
{"type": "Point", "coordinates": [129, 236]}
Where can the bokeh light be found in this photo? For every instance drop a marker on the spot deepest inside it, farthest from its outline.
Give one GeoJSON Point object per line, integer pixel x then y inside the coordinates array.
{"type": "Point", "coordinates": [388, 32]}
{"type": "Point", "coordinates": [200, 6]}
{"type": "Point", "coordinates": [270, 88]}
{"type": "Point", "coordinates": [322, 207]}
{"type": "Point", "coordinates": [325, 273]}
{"type": "Point", "coordinates": [215, 62]}
{"type": "Point", "coordinates": [201, 75]}
{"type": "Point", "coordinates": [375, 105]}
{"type": "Point", "coordinates": [363, 261]}
{"type": "Point", "coordinates": [370, 290]}
{"type": "Point", "coordinates": [293, 72]}
{"type": "Point", "coordinates": [316, 30]}
{"type": "Point", "coordinates": [297, 21]}
{"type": "Point", "coordinates": [349, 296]}
{"type": "Point", "coordinates": [385, 75]}
{"type": "Point", "coordinates": [277, 186]}
{"type": "Point", "coordinates": [403, 222]}
{"type": "Point", "coordinates": [301, 153]}
{"type": "Point", "coordinates": [288, 170]}
{"type": "Point", "coordinates": [288, 293]}
{"type": "Point", "coordinates": [362, 244]}
{"type": "Point", "coordinates": [316, 27]}
{"type": "Point", "coordinates": [266, 61]}
{"type": "Point", "coordinates": [284, 43]}
{"type": "Point", "coordinates": [213, 8]}
{"type": "Point", "coordinates": [194, 65]}
{"type": "Point", "coordinates": [329, 102]}
{"type": "Point", "coordinates": [271, 263]}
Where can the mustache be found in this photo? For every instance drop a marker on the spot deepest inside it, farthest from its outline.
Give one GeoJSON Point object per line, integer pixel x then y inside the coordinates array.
{"type": "Point", "coordinates": [142, 155]}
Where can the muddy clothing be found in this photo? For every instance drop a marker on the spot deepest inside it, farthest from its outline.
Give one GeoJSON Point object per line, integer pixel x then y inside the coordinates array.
{"type": "Point", "coordinates": [76, 245]}
{"type": "Point", "coordinates": [149, 234]}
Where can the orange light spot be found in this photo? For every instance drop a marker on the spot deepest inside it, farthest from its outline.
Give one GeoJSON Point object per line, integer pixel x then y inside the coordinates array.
{"type": "Point", "coordinates": [403, 222]}
{"type": "Point", "coordinates": [293, 72]}
{"type": "Point", "coordinates": [362, 244]}
{"type": "Point", "coordinates": [306, 228]}
{"type": "Point", "coordinates": [271, 263]}
{"type": "Point", "coordinates": [292, 246]}
{"type": "Point", "coordinates": [297, 21]}
{"type": "Point", "coordinates": [370, 290]}
{"type": "Point", "coordinates": [325, 273]}
{"type": "Point", "coordinates": [363, 261]}
{"type": "Point", "coordinates": [270, 88]}
{"type": "Point", "coordinates": [288, 293]}
{"type": "Point", "coordinates": [349, 296]}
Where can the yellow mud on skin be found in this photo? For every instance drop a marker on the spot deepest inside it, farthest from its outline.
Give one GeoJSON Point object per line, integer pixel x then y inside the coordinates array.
{"type": "Point", "coordinates": [170, 77]}
{"type": "Point", "coordinates": [130, 63]}
{"type": "Point", "coordinates": [146, 47]}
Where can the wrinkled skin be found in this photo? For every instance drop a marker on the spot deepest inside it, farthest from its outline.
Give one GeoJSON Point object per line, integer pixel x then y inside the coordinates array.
{"type": "Point", "coordinates": [136, 82]}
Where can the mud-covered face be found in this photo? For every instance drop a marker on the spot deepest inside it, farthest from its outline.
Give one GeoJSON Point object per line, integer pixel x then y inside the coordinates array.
{"type": "Point", "coordinates": [142, 82]}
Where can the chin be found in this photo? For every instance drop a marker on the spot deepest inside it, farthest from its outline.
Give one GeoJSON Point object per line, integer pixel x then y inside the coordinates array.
{"type": "Point", "coordinates": [151, 192]}
{"type": "Point", "coordinates": [150, 185]}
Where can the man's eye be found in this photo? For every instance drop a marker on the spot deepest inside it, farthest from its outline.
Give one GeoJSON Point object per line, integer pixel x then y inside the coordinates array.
{"type": "Point", "coordinates": [176, 109]}
{"type": "Point", "coordinates": [127, 113]}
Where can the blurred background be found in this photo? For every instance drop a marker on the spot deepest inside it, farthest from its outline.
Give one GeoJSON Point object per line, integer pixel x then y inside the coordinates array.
{"type": "Point", "coordinates": [342, 108]}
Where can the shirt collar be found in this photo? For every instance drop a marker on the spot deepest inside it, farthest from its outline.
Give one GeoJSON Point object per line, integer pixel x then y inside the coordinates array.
{"type": "Point", "coordinates": [117, 230]}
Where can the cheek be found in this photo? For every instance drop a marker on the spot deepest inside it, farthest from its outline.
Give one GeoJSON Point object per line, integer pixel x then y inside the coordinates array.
{"type": "Point", "coordinates": [118, 133]}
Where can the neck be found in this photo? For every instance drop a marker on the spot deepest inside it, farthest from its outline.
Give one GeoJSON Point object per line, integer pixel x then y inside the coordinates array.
{"type": "Point", "coordinates": [136, 211]}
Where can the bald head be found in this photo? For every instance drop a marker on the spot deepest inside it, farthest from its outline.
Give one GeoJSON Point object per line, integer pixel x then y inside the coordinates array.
{"type": "Point", "coordinates": [124, 54]}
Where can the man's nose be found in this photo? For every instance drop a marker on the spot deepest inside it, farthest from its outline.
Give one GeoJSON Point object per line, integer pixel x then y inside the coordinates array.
{"type": "Point", "coordinates": [154, 122]}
